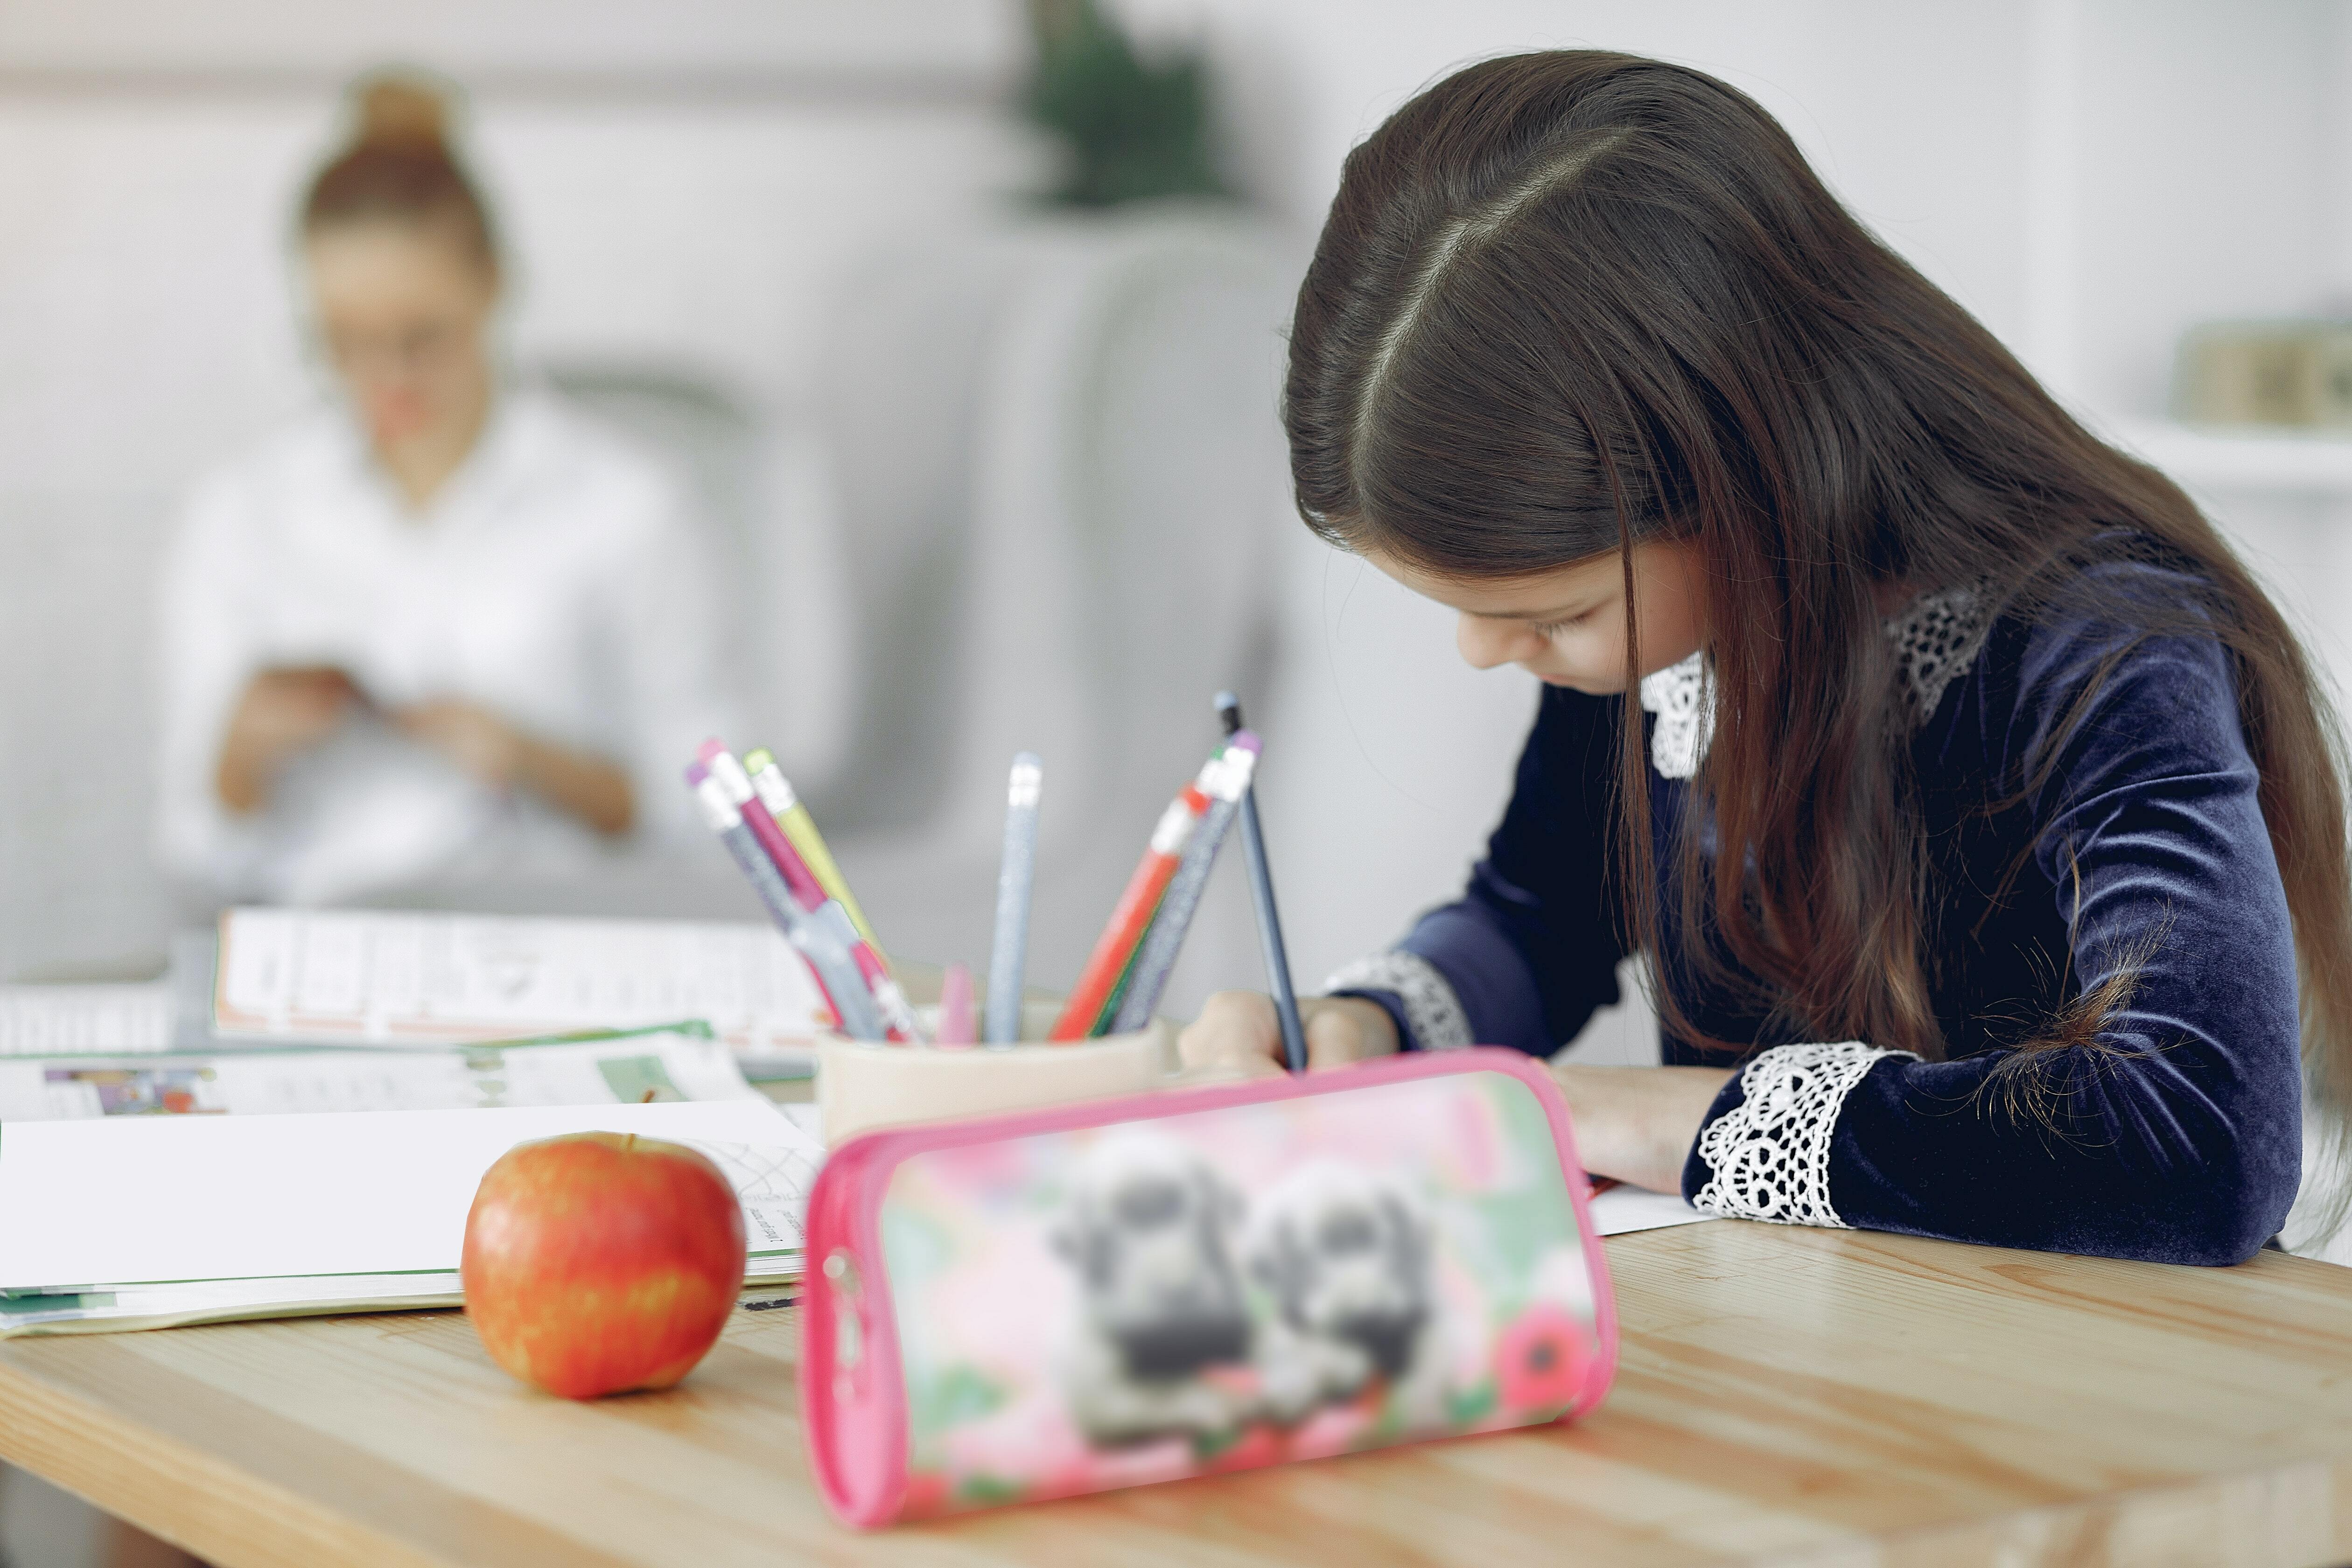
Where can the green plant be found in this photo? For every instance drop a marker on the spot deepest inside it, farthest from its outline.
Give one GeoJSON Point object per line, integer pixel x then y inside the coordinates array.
{"type": "Point", "coordinates": [1133, 128]}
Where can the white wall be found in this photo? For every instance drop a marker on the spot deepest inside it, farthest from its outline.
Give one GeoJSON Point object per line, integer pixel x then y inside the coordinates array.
{"type": "Point", "coordinates": [2207, 185]}
{"type": "Point", "coordinates": [814, 39]}
{"type": "Point", "coordinates": [146, 315]}
{"type": "Point", "coordinates": [675, 180]}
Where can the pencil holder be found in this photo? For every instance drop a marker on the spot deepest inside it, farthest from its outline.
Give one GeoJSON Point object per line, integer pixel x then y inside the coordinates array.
{"type": "Point", "coordinates": [861, 1086]}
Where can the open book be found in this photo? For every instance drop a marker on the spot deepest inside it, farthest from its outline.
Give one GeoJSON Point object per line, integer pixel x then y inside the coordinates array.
{"type": "Point", "coordinates": [357, 977]}
{"type": "Point", "coordinates": [148, 1221]}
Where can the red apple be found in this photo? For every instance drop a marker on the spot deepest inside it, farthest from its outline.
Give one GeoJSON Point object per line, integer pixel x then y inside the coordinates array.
{"type": "Point", "coordinates": [601, 1262]}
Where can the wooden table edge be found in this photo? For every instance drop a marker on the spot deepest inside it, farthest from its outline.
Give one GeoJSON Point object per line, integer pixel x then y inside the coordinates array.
{"type": "Point", "coordinates": [176, 1489]}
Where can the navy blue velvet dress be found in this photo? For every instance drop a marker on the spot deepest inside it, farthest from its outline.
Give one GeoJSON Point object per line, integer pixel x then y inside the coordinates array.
{"type": "Point", "coordinates": [2144, 846]}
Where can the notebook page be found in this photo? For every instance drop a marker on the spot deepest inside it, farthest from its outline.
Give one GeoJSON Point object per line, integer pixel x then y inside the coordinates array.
{"type": "Point", "coordinates": [90, 1204]}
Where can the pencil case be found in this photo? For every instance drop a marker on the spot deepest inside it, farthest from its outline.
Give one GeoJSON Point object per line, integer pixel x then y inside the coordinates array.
{"type": "Point", "coordinates": [1017, 1307]}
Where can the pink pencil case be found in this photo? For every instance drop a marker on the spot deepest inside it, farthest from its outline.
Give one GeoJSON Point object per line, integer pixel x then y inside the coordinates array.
{"type": "Point", "coordinates": [1024, 1307]}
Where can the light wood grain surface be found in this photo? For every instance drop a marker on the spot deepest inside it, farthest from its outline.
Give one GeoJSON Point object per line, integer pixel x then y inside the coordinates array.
{"type": "Point", "coordinates": [1796, 1395]}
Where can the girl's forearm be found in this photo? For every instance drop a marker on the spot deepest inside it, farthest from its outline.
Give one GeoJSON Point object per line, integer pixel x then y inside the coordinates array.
{"type": "Point", "coordinates": [1637, 1124]}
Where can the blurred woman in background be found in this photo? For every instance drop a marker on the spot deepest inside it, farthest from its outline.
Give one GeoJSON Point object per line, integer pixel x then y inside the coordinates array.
{"type": "Point", "coordinates": [444, 627]}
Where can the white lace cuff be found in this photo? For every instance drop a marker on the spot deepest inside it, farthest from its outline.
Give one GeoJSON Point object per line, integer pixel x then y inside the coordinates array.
{"type": "Point", "coordinates": [1433, 1012]}
{"type": "Point", "coordinates": [1770, 1154]}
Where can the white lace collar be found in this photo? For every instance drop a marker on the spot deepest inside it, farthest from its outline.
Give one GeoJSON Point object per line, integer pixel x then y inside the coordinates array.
{"type": "Point", "coordinates": [1934, 639]}
{"type": "Point", "coordinates": [1683, 697]}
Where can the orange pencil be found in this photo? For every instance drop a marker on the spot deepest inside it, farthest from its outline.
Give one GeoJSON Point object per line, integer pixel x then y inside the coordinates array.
{"type": "Point", "coordinates": [1132, 916]}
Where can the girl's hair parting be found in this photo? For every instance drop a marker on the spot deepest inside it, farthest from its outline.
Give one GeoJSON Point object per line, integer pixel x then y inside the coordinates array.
{"type": "Point", "coordinates": [1567, 302]}
{"type": "Point", "coordinates": [397, 167]}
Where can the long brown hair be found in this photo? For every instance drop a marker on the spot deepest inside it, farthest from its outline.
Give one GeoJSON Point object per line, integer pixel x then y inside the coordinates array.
{"type": "Point", "coordinates": [398, 167]}
{"type": "Point", "coordinates": [1569, 302]}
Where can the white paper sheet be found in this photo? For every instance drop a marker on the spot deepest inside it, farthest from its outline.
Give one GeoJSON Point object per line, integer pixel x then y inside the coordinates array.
{"type": "Point", "coordinates": [338, 976]}
{"type": "Point", "coordinates": [85, 1020]}
{"type": "Point", "coordinates": [618, 1071]}
{"type": "Point", "coordinates": [1623, 1210]}
{"type": "Point", "coordinates": [88, 1205]}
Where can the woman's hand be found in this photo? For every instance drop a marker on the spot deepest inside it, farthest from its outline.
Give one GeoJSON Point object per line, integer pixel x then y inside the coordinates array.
{"type": "Point", "coordinates": [1637, 1124]}
{"type": "Point", "coordinates": [283, 712]}
{"type": "Point", "coordinates": [485, 746]}
{"type": "Point", "coordinates": [1237, 1033]}
{"type": "Point", "coordinates": [475, 741]}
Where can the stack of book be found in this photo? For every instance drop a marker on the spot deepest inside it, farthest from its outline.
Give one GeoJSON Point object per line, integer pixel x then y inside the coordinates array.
{"type": "Point", "coordinates": [296, 1119]}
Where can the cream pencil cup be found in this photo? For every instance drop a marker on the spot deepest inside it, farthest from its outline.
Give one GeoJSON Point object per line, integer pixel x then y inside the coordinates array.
{"type": "Point", "coordinates": [862, 1084]}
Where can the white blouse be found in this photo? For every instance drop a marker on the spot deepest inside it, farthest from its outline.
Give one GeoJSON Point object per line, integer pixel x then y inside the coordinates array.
{"type": "Point", "coordinates": [558, 580]}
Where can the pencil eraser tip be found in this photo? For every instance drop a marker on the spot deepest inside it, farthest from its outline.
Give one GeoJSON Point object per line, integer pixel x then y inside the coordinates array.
{"type": "Point", "coordinates": [1245, 740]}
{"type": "Point", "coordinates": [1225, 699]}
{"type": "Point", "coordinates": [758, 759]}
{"type": "Point", "coordinates": [710, 748]}
{"type": "Point", "coordinates": [695, 774]}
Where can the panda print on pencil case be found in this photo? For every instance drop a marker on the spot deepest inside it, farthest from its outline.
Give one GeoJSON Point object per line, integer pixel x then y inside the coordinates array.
{"type": "Point", "coordinates": [1165, 1252]}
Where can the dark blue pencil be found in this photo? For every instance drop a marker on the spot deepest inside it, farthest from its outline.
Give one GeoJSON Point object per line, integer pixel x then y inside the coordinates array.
{"type": "Point", "coordinates": [1269, 924]}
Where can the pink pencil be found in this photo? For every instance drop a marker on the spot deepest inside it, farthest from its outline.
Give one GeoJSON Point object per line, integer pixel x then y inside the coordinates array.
{"type": "Point", "coordinates": [897, 1018]}
{"type": "Point", "coordinates": [955, 1009]}
{"type": "Point", "coordinates": [807, 892]}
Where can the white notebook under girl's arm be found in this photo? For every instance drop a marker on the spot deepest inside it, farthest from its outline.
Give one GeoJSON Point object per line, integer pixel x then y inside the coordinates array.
{"type": "Point", "coordinates": [222, 1204]}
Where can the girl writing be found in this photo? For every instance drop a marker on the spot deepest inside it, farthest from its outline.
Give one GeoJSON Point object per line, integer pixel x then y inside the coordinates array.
{"type": "Point", "coordinates": [1981, 819]}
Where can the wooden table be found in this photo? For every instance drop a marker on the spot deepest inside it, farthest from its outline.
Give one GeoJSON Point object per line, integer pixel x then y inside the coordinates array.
{"type": "Point", "coordinates": [1814, 1396]}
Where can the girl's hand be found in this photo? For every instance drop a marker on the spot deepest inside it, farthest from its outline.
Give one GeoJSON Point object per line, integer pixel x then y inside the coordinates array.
{"type": "Point", "coordinates": [1637, 1124]}
{"type": "Point", "coordinates": [1237, 1033]}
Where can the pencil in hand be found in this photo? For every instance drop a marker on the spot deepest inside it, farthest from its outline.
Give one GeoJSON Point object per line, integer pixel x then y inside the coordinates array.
{"type": "Point", "coordinates": [1269, 922]}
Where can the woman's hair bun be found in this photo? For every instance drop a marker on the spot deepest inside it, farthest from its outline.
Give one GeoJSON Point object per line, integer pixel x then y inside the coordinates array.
{"type": "Point", "coordinates": [398, 165]}
{"type": "Point", "coordinates": [399, 110]}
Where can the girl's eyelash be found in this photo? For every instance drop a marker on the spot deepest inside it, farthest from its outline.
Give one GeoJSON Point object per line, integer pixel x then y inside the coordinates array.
{"type": "Point", "coordinates": [1552, 628]}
